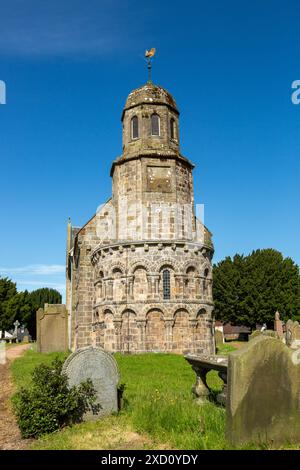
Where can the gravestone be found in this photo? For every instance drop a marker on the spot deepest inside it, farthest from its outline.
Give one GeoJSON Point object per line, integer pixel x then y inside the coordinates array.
{"type": "Point", "coordinates": [292, 334]}
{"type": "Point", "coordinates": [263, 393]}
{"type": "Point", "coordinates": [99, 366]}
{"type": "Point", "coordinates": [278, 325]}
{"type": "Point", "coordinates": [2, 352]}
{"type": "Point", "coordinates": [52, 328]}
{"type": "Point", "coordinates": [219, 337]}
{"type": "Point", "coordinates": [256, 333]}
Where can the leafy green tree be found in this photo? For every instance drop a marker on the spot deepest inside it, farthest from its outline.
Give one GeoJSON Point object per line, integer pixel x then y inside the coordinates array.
{"type": "Point", "coordinates": [7, 291]}
{"type": "Point", "coordinates": [22, 306]}
{"type": "Point", "coordinates": [18, 307]}
{"type": "Point", "coordinates": [45, 295]}
{"type": "Point", "coordinates": [38, 298]}
{"type": "Point", "coordinates": [249, 289]}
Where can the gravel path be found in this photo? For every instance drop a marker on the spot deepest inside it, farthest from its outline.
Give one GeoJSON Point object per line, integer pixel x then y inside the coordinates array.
{"type": "Point", "coordinates": [10, 437]}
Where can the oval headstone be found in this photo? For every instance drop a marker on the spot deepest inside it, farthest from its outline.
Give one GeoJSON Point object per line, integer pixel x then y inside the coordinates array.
{"type": "Point", "coordinates": [99, 366]}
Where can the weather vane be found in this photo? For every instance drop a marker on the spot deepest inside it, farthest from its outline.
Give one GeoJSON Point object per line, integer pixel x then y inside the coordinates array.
{"type": "Point", "coordinates": [148, 56]}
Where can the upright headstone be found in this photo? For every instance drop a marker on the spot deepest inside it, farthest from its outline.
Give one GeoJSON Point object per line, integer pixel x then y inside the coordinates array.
{"type": "Point", "coordinates": [2, 353]}
{"type": "Point", "coordinates": [219, 337]}
{"type": "Point", "coordinates": [263, 399]}
{"type": "Point", "coordinates": [292, 334]}
{"type": "Point", "coordinates": [99, 366]}
{"type": "Point", "coordinates": [52, 328]}
{"type": "Point", "coordinates": [278, 325]}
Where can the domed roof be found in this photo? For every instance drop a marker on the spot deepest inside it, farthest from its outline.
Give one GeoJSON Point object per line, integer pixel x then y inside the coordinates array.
{"type": "Point", "coordinates": [150, 94]}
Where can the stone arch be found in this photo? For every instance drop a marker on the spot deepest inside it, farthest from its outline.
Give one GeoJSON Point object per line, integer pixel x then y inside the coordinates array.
{"type": "Point", "coordinates": [134, 127]}
{"type": "Point", "coordinates": [143, 263]}
{"type": "Point", "coordinates": [180, 306]}
{"type": "Point", "coordinates": [117, 265]}
{"type": "Point", "coordinates": [155, 125]}
{"type": "Point", "coordinates": [190, 264]}
{"type": "Point", "coordinates": [155, 331]}
{"type": "Point", "coordinates": [206, 268]}
{"type": "Point", "coordinates": [172, 262]}
{"type": "Point", "coordinates": [181, 331]}
{"type": "Point", "coordinates": [167, 265]}
{"type": "Point", "coordinates": [202, 311]}
{"type": "Point", "coordinates": [129, 331]}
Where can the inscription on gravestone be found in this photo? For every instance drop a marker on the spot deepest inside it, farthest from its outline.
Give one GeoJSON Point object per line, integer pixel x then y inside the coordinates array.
{"type": "Point", "coordinates": [99, 366]}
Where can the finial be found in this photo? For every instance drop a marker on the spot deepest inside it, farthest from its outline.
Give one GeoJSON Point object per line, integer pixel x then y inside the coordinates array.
{"type": "Point", "coordinates": [148, 56]}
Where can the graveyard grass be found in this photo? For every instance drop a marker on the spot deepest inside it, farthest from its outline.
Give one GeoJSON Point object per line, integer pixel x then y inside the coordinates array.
{"type": "Point", "coordinates": [159, 411]}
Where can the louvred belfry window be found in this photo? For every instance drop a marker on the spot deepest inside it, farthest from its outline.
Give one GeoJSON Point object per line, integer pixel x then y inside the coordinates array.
{"type": "Point", "coordinates": [155, 124]}
{"type": "Point", "coordinates": [134, 127]}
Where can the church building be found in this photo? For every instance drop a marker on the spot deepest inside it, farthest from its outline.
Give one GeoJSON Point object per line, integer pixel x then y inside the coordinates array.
{"type": "Point", "coordinates": [139, 274]}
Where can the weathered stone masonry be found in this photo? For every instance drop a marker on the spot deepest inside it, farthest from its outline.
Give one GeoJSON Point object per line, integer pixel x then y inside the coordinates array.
{"type": "Point", "coordinates": [139, 272]}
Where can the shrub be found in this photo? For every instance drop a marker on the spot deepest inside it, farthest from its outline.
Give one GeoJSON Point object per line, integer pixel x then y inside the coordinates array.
{"type": "Point", "coordinates": [49, 404]}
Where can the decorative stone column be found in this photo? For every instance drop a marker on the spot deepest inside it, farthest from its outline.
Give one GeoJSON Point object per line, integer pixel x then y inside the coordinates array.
{"type": "Point", "coordinates": [198, 287]}
{"type": "Point", "coordinates": [118, 327]}
{"type": "Point", "coordinates": [153, 286]}
{"type": "Point", "coordinates": [201, 290]}
{"type": "Point", "coordinates": [169, 334]}
{"type": "Point", "coordinates": [179, 285]}
{"type": "Point", "coordinates": [185, 287]}
{"type": "Point", "coordinates": [130, 287]}
{"type": "Point", "coordinates": [109, 284]}
{"type": "Point", "coordinates": [124, 289]}
{"type": "Point", "coordinates": [141, 325]}
{"type": "Point", "coordinates": [193, 328]}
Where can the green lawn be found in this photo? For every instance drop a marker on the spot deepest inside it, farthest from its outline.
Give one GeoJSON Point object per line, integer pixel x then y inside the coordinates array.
{"type": "Point", "coordinates": [158, 404]}
{"type": "Point", "coordinates": [159, 409]}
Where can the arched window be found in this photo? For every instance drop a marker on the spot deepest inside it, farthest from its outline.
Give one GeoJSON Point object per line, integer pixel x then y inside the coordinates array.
{"type": "Point", "coordinates": [172, 128]}
{"type": "Point", "coordinates": [155, 125]}
{"type": "Point", "coordinates": [134, 127]}
{"type": "Point", "coordinates": [166, 284]}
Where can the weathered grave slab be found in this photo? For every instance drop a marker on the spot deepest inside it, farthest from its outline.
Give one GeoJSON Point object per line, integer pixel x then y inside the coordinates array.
{"type": "Point", "coordinates": [219, 337]}
{"type": "Point", "coordinates": [52, 328]}
{"type": "Point", "coordinates": [292, 334]}
{"type": "Point", "coordinates": [99, 366]}
{"type": "Point", "coordinates": [263, 399]}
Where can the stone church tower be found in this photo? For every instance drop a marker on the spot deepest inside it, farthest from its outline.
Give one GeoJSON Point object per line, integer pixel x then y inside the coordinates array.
{"type": "Point", "coordinates": [139, 274]}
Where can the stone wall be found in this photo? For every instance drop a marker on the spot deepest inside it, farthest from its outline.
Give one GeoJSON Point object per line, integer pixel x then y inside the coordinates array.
{"type": "Point", "coordinates": [129, 296]}
{"type": "Point", "coordinates": [153, 199]}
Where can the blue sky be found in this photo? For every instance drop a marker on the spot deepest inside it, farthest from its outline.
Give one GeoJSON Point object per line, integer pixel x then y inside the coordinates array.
{"type": "Point", "coordinates": [68, 68]}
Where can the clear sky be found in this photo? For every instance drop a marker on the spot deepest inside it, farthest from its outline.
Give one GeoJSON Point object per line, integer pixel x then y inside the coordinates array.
{"type": "Point", "coordinates": [69, 65]}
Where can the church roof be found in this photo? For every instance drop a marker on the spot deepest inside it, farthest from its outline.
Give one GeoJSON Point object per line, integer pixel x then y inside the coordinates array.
{"type": "Point", "coordinates": [150, 94]}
